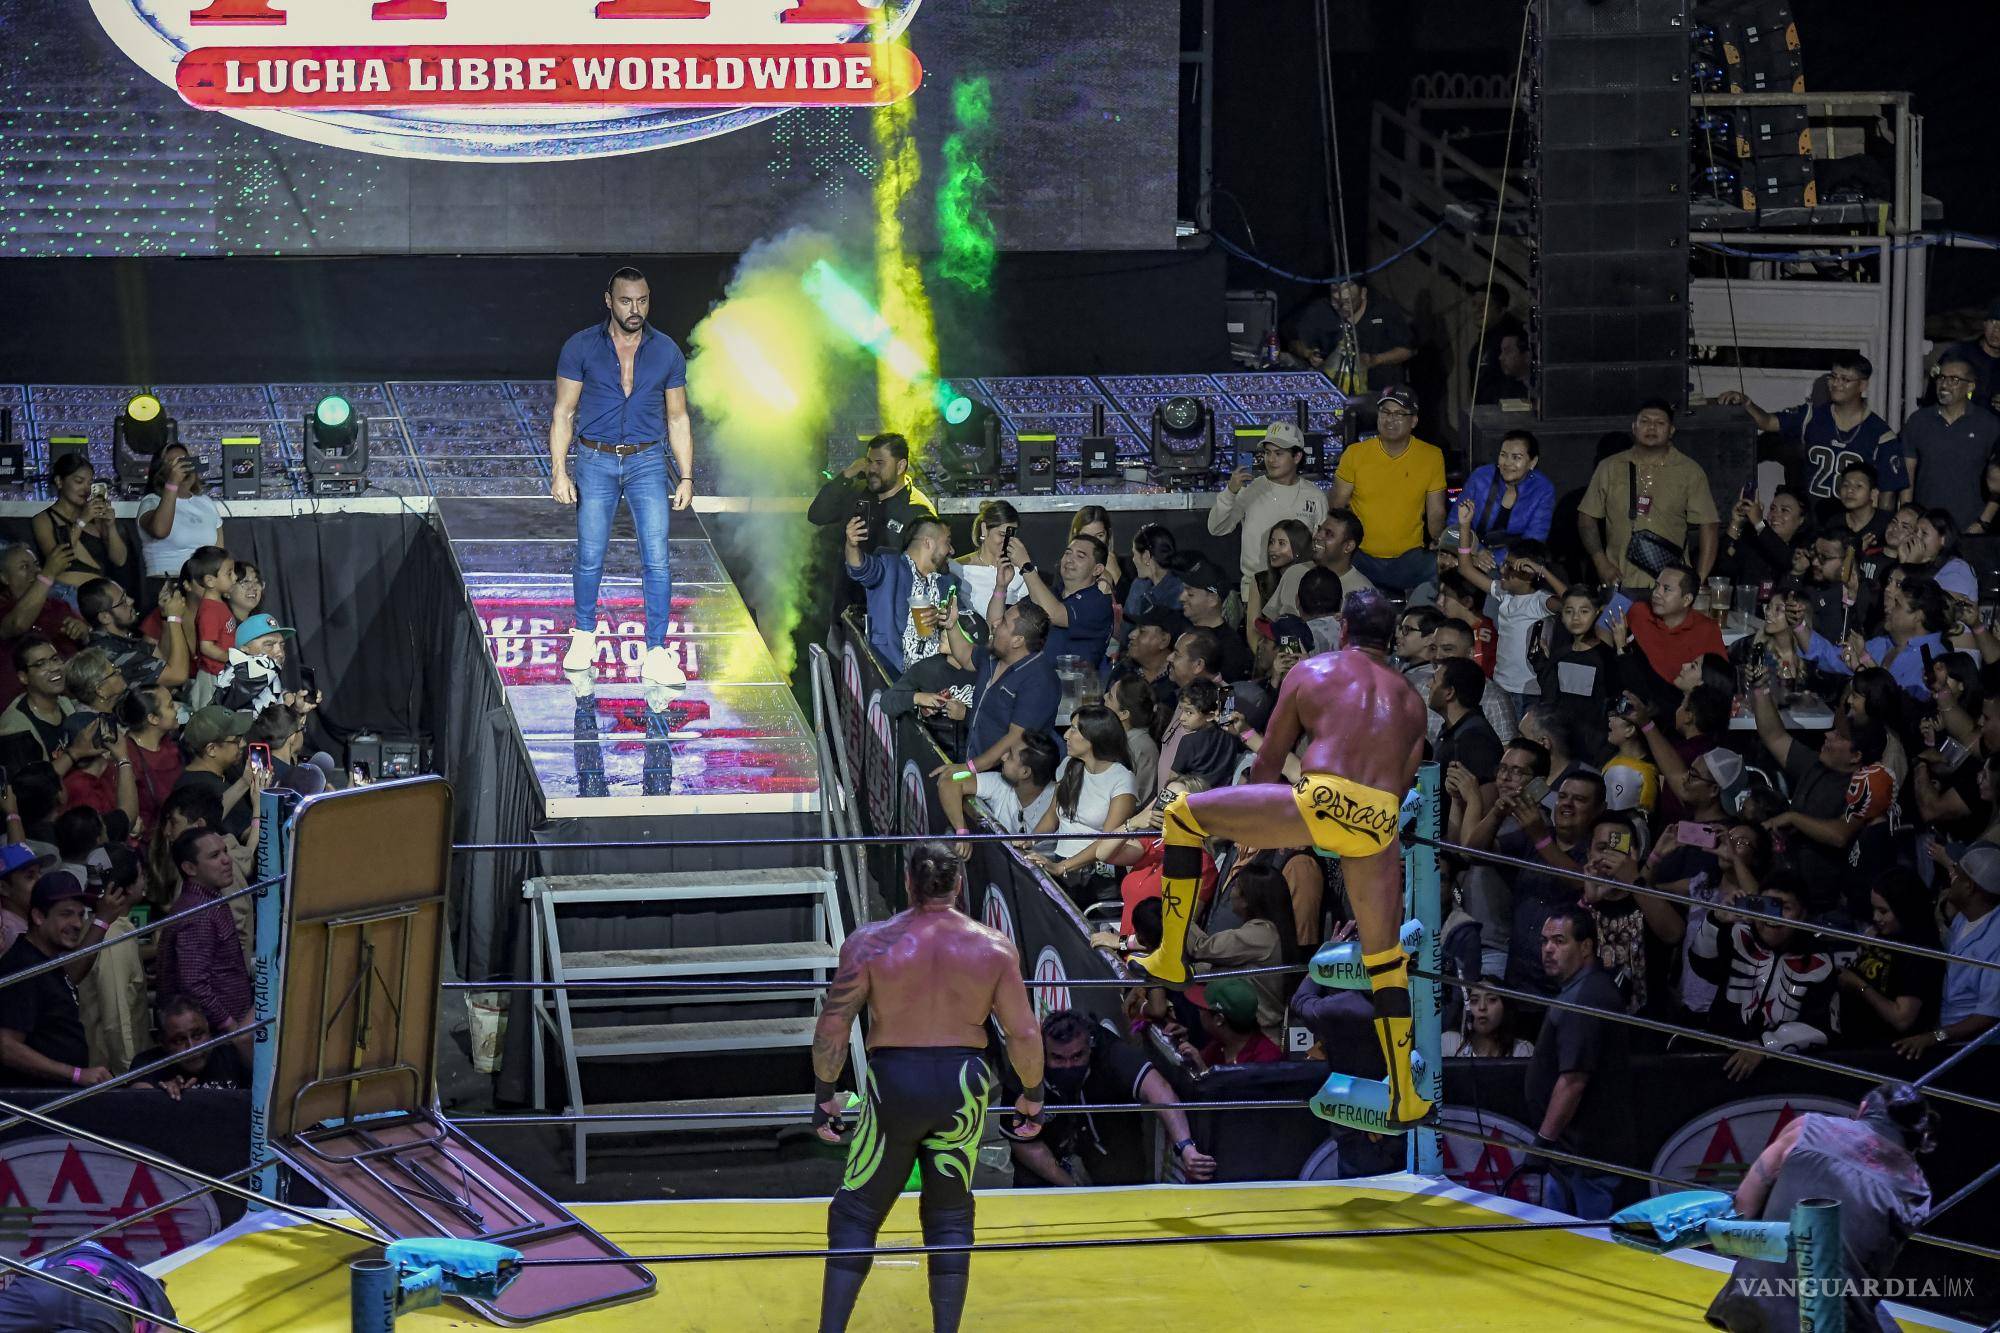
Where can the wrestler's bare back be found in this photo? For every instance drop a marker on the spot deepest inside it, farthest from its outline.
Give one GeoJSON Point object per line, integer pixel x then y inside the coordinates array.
{"type": "Point", "coordinates": [1363, 720]}
{"type": "Point", "coordinates": [933, 975]}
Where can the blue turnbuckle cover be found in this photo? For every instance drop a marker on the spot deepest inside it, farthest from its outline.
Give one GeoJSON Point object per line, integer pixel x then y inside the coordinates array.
{"type": "Point", "coordinates": [1362, 1103]}
{"type": "Point", "coordinates": [1338, 966]}
{"type": "Point", "coordinates": [1671, 1221]}
{"type": "Point", "coordinates": [451, 1267]}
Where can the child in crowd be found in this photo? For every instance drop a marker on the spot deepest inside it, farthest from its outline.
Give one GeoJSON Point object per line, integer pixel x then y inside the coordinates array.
{"type": "Point", "coordinates": [1206, 750]}
{"type": "Point", "coordinates": [1520, 599]}
{"type": "Point", "coordinates": [1459, 600]}
{"type": "Point", "coordinates": [207, 576]}
{"type": "Point", "coordinates": [1573, 664]}
{"type": "Point", "coordinates": [1631, 779]}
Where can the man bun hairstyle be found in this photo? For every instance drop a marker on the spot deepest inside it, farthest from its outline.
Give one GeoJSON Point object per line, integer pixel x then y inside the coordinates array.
{"type": "Point", "coordinates": [934, 872]}
{"type": "Point", "coordinates": [1903, 1106]}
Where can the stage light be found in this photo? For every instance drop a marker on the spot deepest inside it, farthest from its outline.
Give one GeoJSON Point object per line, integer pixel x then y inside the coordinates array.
{"type": "Point", "coordinates": [1183, 438]}
{"type": "Point", "coordinates": [335, 443]}
{"type": "Point", "coordinates": [138, 432]}
{"type": "Point", "coordinates": [333, 412]}
{"type": "Point", "coordinates": [971, 448]}
{"type": "Point", "coordinates": [954, 406]}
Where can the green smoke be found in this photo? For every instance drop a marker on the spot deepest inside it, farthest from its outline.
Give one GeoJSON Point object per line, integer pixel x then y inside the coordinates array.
{"type": "Point", "coordinates": [965, 228]}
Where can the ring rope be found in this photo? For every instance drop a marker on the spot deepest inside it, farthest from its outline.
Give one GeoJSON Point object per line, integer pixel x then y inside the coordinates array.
{"type": "Point", "coordinates": [766, 1117]}
{"type": "Point", "coordinates": [671, 984]}
{"type": "Point", "coordinates": [1068, 1243]}
{"type": "Point", "coordinates": [1633, 1173]}
{"type": "Point", "coordinates": [1770, 918]}
{"type": "Point", "coordinates": [1459, 849]}
{"type": "Point", "coordinates": [222, 1183]}
{"type": "Point", "coordinates": [105, 1298]}
{"type": "Point", "coordinates": [89, 950]}
{"type": "Point", "coordinates": [1675, 1030]}
{"type": "Point", "coordinates": [67, 1100]}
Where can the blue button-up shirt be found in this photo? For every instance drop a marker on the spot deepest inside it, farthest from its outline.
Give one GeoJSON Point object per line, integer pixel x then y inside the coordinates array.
{"type": "Point", "coordinates": [1907, 670]}
{"type": "Point", "coordinates": [604, 413]}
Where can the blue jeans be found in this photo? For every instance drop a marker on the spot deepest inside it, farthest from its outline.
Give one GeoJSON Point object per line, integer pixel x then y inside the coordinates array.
{"type": "Point", "coordinates": [1579, 1191]}
{"type": "Point", "coordinates": [1412, 568]}
{"type": "Point", "coordinates": [642, 479]}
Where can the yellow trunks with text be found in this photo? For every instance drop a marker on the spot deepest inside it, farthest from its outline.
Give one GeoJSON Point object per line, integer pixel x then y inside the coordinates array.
{"type": "Point", "coordinates": [1344, 817]}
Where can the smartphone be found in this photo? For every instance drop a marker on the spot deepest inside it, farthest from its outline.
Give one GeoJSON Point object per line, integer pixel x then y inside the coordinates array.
{"type": "Point", "coordinates": [1758, 902]}
{"type": "Point", "coordinates": [1750, 489]}
{"type": "Point", "coordinates": [260, 757]}
{"type": "Point", "coordinates": [357, 775]}
{"type": "Point", "coordinates": [1690, 834]}
{"type": "Point", "coordinates": [1536, 791]}
{"type": "Point", "coordinates": [1929, 662]}
{"type": "Point", "coordinates": [99, 490]}
{"type": "Point", "coordinates": [1952, 750]}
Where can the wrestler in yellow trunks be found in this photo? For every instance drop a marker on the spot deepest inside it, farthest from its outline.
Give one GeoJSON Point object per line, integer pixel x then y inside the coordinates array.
{"type": "Point", "coordinates": [1345, 817]}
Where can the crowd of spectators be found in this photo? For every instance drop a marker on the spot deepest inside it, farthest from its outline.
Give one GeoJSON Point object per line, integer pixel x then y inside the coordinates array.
{"type": "Point", "coordinates": [145, 704]}
{"type": "Point", "coordinates": [1786, 704]}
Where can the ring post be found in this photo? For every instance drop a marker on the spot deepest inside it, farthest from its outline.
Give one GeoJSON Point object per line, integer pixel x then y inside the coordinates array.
{"type": "Point", "coordinates": [1822, 1266]}
{"type": "Point", "coordinates": [1423, 903]}
{"type": "Point", "coordinates": [269, 924]}
{"type": "Point", "coordinates": [371, 1295]}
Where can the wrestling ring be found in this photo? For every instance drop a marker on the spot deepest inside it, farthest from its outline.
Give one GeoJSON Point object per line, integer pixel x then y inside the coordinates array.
{"type": "Point", "coordinates": [347, 1004]}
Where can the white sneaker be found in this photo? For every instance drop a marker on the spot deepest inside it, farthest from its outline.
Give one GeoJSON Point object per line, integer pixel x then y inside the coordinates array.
{"type": "Point", "coordinates": [582, 652]}
{"type": "Point", "coordinates": [659, 668]}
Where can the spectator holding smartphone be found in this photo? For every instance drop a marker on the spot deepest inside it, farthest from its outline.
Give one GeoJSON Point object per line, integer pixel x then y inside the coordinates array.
{"type": "Point", "coordinates": [80, 518]}
{"type": "Point", "coordinates": [28, 607]}
{"type": "Point", "coordinates": [176, 518]}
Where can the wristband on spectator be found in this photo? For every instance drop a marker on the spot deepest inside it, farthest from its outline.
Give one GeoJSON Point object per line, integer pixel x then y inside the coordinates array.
{"type": "Point", "coordinates": [972, 766]}
{"type": "Point", "coordinates": [1467, 550]}
{"type": "Point", "coordinates": [13, 816]}
{"type": "Point", "coordinates": [172, 488]}
{"type": "Point", "coordinates": [76, 1076]}
{"type": "Point", "coordinates": [1542, 842]}
{"type": "Point", "coordinates": [1649, 726]}
{"type": "Point", "coordinates": [101, 924]}
{"type": "Point", "coordinates": [45, 580]}
{"type": "Point", "coordinates": [173, 620]}
{"type": "Point", "coordinates": [963, 832]}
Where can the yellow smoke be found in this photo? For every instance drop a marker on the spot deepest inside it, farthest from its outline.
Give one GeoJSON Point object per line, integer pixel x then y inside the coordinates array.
{"type": "Point", "coordinates": [907, 407]}
{"type": "Point", "coordinates": [765, 374]}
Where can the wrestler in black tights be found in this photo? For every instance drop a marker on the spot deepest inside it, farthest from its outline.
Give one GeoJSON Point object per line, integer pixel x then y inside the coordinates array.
{"type": "Point", "coordinates": [927, 1105]}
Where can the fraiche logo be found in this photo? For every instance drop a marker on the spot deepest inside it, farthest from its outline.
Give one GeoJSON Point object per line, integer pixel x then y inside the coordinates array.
{"type": "Point", "coordinates": [516, 80]}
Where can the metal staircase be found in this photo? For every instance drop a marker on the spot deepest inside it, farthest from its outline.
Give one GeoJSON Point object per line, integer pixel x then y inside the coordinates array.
{"type": "Point", "coordinates": [814, 953]}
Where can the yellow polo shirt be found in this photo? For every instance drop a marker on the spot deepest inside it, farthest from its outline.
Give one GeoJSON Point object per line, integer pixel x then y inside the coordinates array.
{"type": "Point", "coordinates": [1389, 493]}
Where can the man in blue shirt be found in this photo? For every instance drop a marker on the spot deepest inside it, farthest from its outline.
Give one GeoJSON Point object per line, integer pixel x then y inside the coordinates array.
{"type": "Point", "coordinates": [1914, 617]}
{"type": "Point", "coordinates": [1079, 610]}
{"type": "Point", "coordinates": [1837, 433]}
{"type": "Point", "coordinates": [1016, 692]}
{"type": "Point", "coordinates": [621, 395]}
{"type": "Point", "coordinates": [1971, 1000]}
